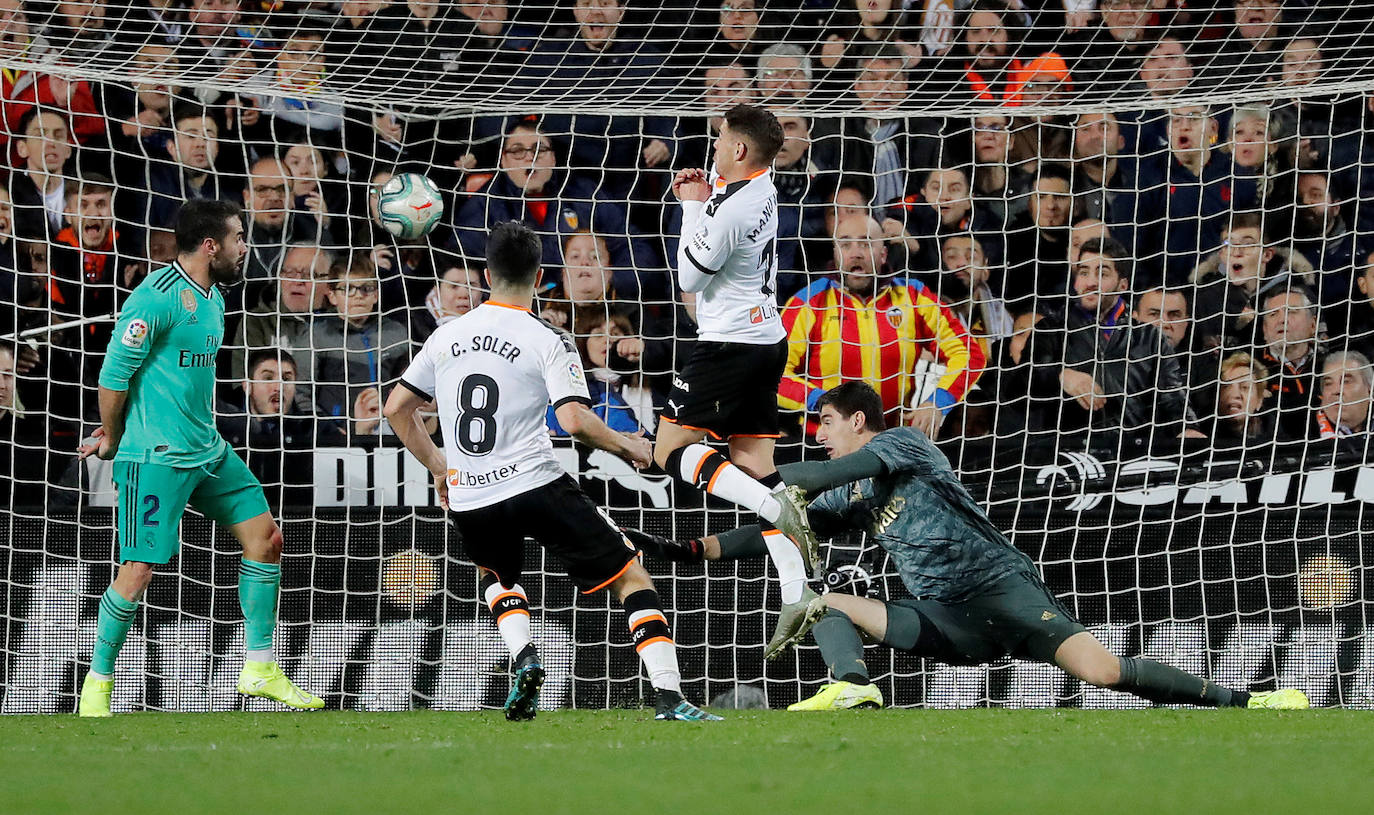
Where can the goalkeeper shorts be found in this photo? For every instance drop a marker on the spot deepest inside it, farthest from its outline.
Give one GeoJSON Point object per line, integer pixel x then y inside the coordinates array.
{"type": "Point", "coordinates": [152, 498]}
{"type": "Point", "coordinates": [1016, 616]}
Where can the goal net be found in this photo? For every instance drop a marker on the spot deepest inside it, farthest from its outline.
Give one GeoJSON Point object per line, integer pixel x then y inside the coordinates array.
{"type": "Point", "coordinates": [1121, 246]}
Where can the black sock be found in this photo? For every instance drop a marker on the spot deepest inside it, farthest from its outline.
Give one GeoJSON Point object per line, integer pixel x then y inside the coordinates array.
{"type": "Point", "coordinates": [525, 653]}
{"type": "Point", "coordinates": [1168, 685]}
{"type": "Point", "coordinates": [742, 543]}
{"type": "Point", "coordinates": [771, 480]}
{"type": "Point", "coordinates": [841, 647]}
{"type": "Point", "coordinates": [690, 551]}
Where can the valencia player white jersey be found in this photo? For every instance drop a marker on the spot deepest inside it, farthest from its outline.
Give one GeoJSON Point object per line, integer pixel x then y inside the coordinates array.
{"type": "Point", "coordinates": [494, 372]}
{"type": "Point", "coordinates": [733, 238]}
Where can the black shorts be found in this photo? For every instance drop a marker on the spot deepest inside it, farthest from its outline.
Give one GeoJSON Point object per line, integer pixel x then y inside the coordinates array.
{"type": "Point", "coordinates": [1017, 616]}
{"type": "Point", "coordinates": [729, 389]}
{"type": "Point", "coordinates": [561, 517]}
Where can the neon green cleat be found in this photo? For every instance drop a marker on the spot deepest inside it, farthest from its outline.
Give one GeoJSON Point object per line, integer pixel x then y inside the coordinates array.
{"type": "Point", "coordinates": [95, 698]}
{"type": "Point", "coordinates": [842, 696]}
{"type": "Point", "coordinates": [1282, 699]}
{"type": "Point", "coordinates": [267, 680]}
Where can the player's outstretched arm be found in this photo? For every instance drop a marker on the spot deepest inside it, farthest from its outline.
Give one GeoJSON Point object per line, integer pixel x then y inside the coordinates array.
{"type": "Point", "coordinates": [814, 476]}
{"type": "Point", "coordinates": [585, 426]}
{"type": "Point", "coordinates": [402, 410]}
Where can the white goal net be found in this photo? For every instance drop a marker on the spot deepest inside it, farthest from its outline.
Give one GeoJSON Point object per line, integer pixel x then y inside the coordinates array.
{"type": "Point", "coordinates": [1124, 242]}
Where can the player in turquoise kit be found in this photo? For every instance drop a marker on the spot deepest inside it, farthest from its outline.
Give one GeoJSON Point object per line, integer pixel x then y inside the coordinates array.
{"type": "Point", "coordinates": [157, 388]}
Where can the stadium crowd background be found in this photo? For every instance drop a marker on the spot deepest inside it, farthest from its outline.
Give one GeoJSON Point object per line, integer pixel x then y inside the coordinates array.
{"type": "Point", "coordinates": [1146, 277]}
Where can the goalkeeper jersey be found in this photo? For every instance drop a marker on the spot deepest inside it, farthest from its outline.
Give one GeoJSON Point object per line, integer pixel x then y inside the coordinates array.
{"type": "Point", "coordinates": [163, 353]}
{"type": "Point", "coordinates": [941, 541]}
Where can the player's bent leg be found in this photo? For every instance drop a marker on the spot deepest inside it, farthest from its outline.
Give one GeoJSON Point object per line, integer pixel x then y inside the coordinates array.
{"type": "Point", "coordinates": [259, 587]}
{"type": "Point", "coordinates": [118, 605]}
{"type": "Point", "coordinates": [671, 437]}
{"type": "Point", "coordinates": [653, 641]}
{"type": "Point", "coordinates": [842, 650]}
{"type": "Point", "coordinates": [755, 457]}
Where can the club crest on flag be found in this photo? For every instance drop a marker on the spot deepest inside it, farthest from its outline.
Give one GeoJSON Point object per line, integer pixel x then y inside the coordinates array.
{"type": "Point", "coordinates": [570, 217]}
{"type": "Point", "coordinates": [188, 300]}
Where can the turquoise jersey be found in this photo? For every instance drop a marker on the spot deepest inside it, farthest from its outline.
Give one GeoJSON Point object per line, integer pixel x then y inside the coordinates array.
{"type": "Point", "coordinates": [163, 353]}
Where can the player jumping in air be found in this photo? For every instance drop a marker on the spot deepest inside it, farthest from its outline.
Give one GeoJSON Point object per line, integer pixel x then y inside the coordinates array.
{"type": "Point", "coordinates": [494, 372]}
{"type": "Point", "coordinates": [981, 599]}
{"type": "Point", "coordinates": [157, 388]}
{"type": "Point", "coordinates": [729, 386]}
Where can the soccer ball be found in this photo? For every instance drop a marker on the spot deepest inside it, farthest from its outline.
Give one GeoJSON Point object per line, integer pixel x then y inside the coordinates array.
{"type": "Point", "coordinates": [409, 205]}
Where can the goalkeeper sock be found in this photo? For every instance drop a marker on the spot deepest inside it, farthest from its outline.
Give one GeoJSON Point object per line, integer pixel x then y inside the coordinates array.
{"type": "Point", "coordinates": [708, 470]}
{"type": "Point", "coordinates": [841, 647]}
{"type": "Point", "coordinates": [653, 640]}
{"type": "Point", "coordinates": [258, 585]}
{"type": "Point", "coordinates": [511, 609]}
{"type": "Point", "coordinates": [691, 551]}
{"type": "Point", "coordinates": [1168, 685]}
{"type": "Point", "coordinates": [111, 628]}
{"type": "Point", "coordinates": [740, 544]}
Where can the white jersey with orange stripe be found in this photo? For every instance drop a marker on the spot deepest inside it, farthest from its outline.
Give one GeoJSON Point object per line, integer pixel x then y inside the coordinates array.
{"type": "Point", "coordinates": [729, 244]}
{"type": "Point", "coordinates": [493, 373]}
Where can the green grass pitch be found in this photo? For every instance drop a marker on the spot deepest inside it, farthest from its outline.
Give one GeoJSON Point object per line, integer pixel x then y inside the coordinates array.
{"type": "Point", "coordinates": [853, 763]}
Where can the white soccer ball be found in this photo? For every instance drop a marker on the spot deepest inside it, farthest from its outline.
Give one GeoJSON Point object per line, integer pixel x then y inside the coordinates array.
{"type": "Point", "coordinates": [409, 205]}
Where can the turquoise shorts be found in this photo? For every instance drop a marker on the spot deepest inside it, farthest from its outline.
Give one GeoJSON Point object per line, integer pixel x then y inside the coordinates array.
{"type": "Point", "coordinates": [152, 498]}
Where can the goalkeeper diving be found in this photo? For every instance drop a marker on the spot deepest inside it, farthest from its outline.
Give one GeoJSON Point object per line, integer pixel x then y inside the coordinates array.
{"type": "Point", "coordinates": [978, 598]}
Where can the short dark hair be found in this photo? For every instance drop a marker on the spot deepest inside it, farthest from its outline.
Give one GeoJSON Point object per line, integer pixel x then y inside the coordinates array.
{"type": "Point", "coordinates": [1109, 248]}
{"type": "Point", "coordinates": [514, 254]}
{"type": "Point", "coordinates": [947, 168]}
{"type": "Point", "coordinates": [759, 127]}
{"type": "Point", "coordinates": [183, 110]}
{"type": "Point", "coordinates": [1056, 171]}
{"type": "Point", "coordinates": [848, 398]}
{"type": "Point", "coordinates": [203, 218]}
{"type": "Point", "coordinates": [262, 355]}
{"type": "Point", "coordinates": [95, 182]}
{"type": "Point", "coordinates": [22, 129]}
{"type": "Point", "coordinates": [858, 183]}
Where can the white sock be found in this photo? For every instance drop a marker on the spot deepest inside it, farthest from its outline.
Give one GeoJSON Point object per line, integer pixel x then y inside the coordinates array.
{"type": "Point", "coordinates": [261, 655]}
{"type": "Point", "coordinates": [656, 649]}
{"type": "Point", "coordinates": [787, 559]}
{"type": "Point", "coordinates": [97, 676]}
{"type": "Point", "coordinates": [512, 612]}
{"type": "Point", "coordinates": [730, 483]}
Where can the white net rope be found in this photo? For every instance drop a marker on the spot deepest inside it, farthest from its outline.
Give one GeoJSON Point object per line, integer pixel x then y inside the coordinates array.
{"type": "Point", "coordinates": [1130, 242]}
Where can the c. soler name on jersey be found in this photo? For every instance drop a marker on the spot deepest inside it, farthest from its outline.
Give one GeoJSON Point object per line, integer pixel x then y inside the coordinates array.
{"type": "Point", "coordinates": [490, 344]}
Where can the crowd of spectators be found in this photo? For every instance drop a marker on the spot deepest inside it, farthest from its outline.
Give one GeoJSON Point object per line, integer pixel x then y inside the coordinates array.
{"type": "Point", "coordinates": [1150, 273]}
